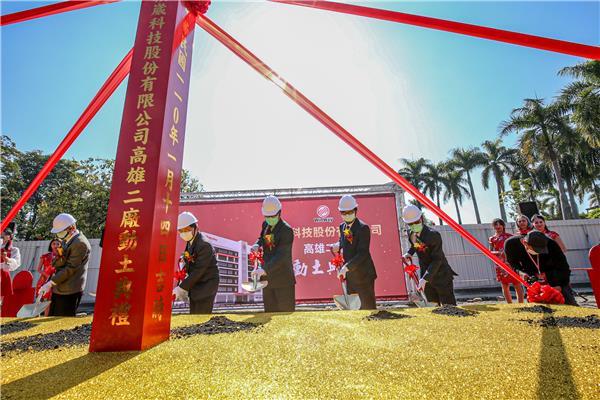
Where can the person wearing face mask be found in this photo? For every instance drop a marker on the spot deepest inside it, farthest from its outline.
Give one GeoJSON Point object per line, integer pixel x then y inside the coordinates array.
{"type": "Point", "coordinates": [202, 281]}
{"type": "Point", "coordinates": [437, 277]}
{"type": "Point", "coordinates": [276, 239]}
{"type": "Point", "coordinates": [68, 282]}
{"type": "Point", "coordinates": [355, 239]}
{"type": "Point", "coordinates": [541, 258]}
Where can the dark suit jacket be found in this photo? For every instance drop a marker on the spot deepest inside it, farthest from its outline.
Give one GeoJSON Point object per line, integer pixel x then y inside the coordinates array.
{"type": "Point", "coordinates": [203, 274]}
{"type": "Point", "coordinates": [433, 262]}
{"type": "Point", "coordinates": [554, 264]}
{"type": "Point", "coordinates": [70, 277]}
{"type": "Point", "coordinates": [357, 256]}
{"type": "Point", "coordinates": [278, 260]}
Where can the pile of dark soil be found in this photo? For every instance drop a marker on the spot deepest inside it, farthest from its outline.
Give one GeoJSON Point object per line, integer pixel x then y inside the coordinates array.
{"type": "Point", "coordinates": [48, 341]}
{"type": "Point", "coordinates": [213, 326]}
{"type": "Point", "coordinates": [383, 314]}
{"type": "Point", "coordinates": [589, 322]}
{"type": "Point", "coordinates": [537, 309]}
{"type": "Point", "coordinates": [454, 311]}
{"type": "Point", "coordinates": [15, 326]}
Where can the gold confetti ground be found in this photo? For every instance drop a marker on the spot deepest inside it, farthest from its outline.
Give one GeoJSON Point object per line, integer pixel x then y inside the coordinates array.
{"type": "Point", "coordinates": [327, 355]}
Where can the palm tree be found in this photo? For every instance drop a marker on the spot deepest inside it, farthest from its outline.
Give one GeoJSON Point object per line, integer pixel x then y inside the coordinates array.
{"type": "Point", "coordinates": [412, 171]}
{"type": "Point", "coordinates": [540, 128]}
{"type": "Point", "coordinates": [467, 160]}
{"type": "Point", "coordinates": [433, 182]}
{"type": "Point", "coordinates": [454, 184]}
{"type": "Point", "coordinates": [497, 163]}
{"type": "Point", "coordinates": [582, 99]}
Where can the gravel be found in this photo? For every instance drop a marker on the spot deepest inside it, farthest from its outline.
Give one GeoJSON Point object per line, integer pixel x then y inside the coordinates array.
{"type": "Point", "coordinates": [588, 322]}
{"type": "Point", "coordinates": [15, 326]}
{"type": "Point", "coordinates": [537, 309]}
{"type": "Point", "coordinates": [383, 314]}
{"type": "Point", "coordinates": [48, 341]}
{"type": "Point", "coordinates": [454, 311]}
{"type": "Point", "coordinates": [219, 324]}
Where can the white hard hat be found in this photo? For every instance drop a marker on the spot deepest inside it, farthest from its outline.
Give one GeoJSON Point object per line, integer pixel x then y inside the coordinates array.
{"type": "Point", "coordinates": [347, 203]}
{"type": "Point", "coordinates": [186, 218]}
{"type": "Point", "coordinates": [62, 222]}
{"type": "Point", "coordinates": [271, 206]}
{"type": "Point", "coordinates": [411, 213]}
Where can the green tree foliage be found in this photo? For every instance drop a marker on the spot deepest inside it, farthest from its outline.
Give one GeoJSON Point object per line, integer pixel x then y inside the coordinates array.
{"type": "Point", "coordinates": [81, 188]}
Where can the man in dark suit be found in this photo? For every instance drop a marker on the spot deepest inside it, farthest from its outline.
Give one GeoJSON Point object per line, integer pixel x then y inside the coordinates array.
{"type": "Point", "coordinates": [202, 281]}
{"type": "Point", "coordinates": [68, 282]}
{"type": "Point", "coordinates": [541, 258]}
{"type": "Point", "coordinates": [355, 240]}
{"type": "Point", "coordinates": [436, 274]}
{"type": "Point", "coordinates": [276, 239]}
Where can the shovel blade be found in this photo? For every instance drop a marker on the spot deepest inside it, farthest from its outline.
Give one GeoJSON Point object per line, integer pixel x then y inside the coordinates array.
{"type": "Point", "coordinates": [33, 310]}
{"type": "Point", "coordinates": [347, 302]}
{"type": "Point", "coordinates": [254, 287]}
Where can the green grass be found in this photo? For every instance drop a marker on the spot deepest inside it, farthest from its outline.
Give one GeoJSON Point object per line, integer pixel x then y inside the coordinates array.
{"type": "Point", "coordinates": [328, 354]}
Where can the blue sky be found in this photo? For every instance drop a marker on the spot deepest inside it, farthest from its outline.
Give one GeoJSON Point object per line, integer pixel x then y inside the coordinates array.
{"type": "Point", "coordinates": [405, 91]}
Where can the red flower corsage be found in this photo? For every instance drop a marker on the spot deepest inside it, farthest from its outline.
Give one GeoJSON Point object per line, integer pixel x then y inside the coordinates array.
{"type": "Point", "coordinates": [348, 235]}
{"type": "Point", "coordinates": [420, 246]}
{"type": "Point", "coordinates": [187, 257]}
{"type": "Point", "coordinates": [269, 240]}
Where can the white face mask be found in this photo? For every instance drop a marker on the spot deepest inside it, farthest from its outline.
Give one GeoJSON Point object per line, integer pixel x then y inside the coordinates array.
{"type": "Point", "coordinates": [187, 236]}
{"type": "Point", "coordinates": [349, 217]}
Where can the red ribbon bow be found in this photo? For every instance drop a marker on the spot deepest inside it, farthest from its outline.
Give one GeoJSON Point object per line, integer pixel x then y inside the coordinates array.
{"type": "Point", "coordinates": [256, 257]}
{"type": "Point", "coordinates": [538, 293]}
{"type": "Point", "coordinates": [337, 261]}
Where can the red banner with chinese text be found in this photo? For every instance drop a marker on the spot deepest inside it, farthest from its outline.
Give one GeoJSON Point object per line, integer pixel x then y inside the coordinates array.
{"type": "Point", "coordinates": [133, 305]}
{"type": "Point", "coordinates": [316, 224]}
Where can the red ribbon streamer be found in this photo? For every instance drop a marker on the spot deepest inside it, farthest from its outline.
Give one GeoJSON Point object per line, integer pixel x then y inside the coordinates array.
{"type": "Point", "coordinates": [538, 293]}
{"type": "Point", "coordinates": [500, 35]}
{"type": "Point", "coordinates": [50, 9]}
{"type": "Point", "coordinates": [247, 56]}
{"type": "Point", "coordinates": [111, 84]}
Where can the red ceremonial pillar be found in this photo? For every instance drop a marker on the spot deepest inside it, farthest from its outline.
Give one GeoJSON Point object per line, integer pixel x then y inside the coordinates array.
{"type": "Point", "coordinates": [133, 303]}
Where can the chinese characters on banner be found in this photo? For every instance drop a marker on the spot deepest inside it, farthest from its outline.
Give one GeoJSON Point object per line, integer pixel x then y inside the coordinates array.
{"type": "Point", "coordinates": [133, 305]}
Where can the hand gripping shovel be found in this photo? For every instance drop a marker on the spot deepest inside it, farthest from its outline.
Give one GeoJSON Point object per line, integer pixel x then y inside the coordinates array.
{"type": "Point", "coordinates": [33, 310]}
{"type": "Point", "coordinates": [255, 284]}
{"type": "Point", "coordinates": [346, 301]}
{"type": "Point", "coordinates": [412, 282]}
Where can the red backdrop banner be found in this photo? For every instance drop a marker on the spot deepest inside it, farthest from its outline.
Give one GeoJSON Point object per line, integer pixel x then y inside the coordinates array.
{"type": "Point", "coordinates": [315, 222]}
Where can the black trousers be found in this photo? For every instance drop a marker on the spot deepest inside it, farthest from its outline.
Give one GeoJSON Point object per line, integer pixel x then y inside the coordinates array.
{"type": "Point", "coordinates": [366, 293]}
{"type": "Point", "coordinates": [64, 305]}
{"type": "Point", "coordinates": [280, 299]}
{"type": "Point", "coordinates": [202, 297]}
{"type": "Point", "coordinates": [440, 292]}
{"type": "Point", "coordinates": [569, 296]}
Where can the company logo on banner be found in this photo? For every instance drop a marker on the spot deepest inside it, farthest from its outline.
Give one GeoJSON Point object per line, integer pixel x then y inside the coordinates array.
{"type": "Point", "coordinates": [323, 214]}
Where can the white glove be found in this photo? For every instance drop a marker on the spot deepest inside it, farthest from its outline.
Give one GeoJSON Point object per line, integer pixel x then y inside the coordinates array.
{"type": "Point", "coordinates": [407, 258]}
{"type": "Point", "coordinates": [180, 294]}
{"type": "Point", "coordinates": [254, 248]}
{"type": "Point", "coordinates": [335, 247]}
{"type": "Point", "coordinates": [258, 273]}
{"type": "Point", "coordinates": [421, 285]}
{"type": "Point", "coordinates": [342, 272]}
{"type": "Point", "coordinates": [46, 287]}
